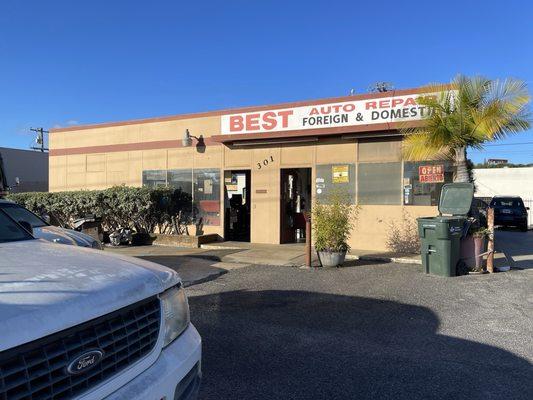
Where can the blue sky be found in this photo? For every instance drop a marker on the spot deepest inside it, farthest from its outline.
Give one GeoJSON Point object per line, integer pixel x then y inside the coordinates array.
{"type": "Point", "coordinates": [72, 62]}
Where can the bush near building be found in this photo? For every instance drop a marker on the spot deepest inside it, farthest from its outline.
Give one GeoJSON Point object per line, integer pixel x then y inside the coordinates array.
{"type": "Point", "coordinates": [402, 236]}
{"type": "Point", "coordinates": [144, 209]}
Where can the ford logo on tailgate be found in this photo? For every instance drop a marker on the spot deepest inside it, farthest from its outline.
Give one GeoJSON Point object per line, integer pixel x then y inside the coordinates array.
{"type": "Point", "coordinates": [85, 362]}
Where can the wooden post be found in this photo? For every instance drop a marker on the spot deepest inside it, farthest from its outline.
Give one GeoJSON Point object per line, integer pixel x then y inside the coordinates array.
{"type": "Point", "coordinates": [490, 246]}
{"type": "Point", "coordinates": [308, 239]}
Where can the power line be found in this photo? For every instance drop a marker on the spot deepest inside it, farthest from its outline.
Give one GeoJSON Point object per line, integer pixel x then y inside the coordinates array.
{"type": "Point", "coordinates": [501, 151]}
{"type": "Point", "coordinates": [507, 144]}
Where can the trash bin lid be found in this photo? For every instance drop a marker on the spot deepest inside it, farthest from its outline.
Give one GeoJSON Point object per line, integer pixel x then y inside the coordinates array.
{"type": "Point", "coordinates": [456, 198]}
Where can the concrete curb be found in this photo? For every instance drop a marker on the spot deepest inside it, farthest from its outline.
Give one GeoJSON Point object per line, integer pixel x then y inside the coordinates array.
{"type": "Point", "coordinates": [399, 260]}
{"type": "Point", "coordinates": [220, 247]}
{"type": "Point", "coordinates": [210, 277]}
{"type": "Point", "coordinates": [377, 258]}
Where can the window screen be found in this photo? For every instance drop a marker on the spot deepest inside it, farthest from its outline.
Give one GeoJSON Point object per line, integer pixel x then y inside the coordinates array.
{"type": "Point", "coordinates": [207, 195]}
{"type": "Point", "coordinates": [379, 183]}
{"type": "Point", "coordinates": [154, 178]}
{"type": "Point", "coordinates": [423, 181]}
{"type": "Point", "coordinates": [335, 177]}
{"type": "Point", "coordinates": [379, 150]}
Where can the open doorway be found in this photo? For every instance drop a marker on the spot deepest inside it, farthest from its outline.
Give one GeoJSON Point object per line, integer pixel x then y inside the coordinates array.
{"type": "Point", "coordinates": [237, 190]}
{"type": "Point", "coordinates": [295, 200]}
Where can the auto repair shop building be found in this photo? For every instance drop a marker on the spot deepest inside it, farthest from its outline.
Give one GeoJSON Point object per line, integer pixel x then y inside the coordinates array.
{"type": "Point", "coordinates": [252, 172]}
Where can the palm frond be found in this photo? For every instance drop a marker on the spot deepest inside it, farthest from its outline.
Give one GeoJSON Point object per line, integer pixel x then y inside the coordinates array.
{"type": "Point", "coordinates": [467, 113]}
{"type": "Point", "coordinates": [416, 148]}
{"type": "Point", "coordinates": [504, 111]}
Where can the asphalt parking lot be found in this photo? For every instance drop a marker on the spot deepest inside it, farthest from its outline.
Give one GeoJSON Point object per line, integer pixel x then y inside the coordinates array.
{"type": "Point", "coordinates": [371, 331]}
{"type": "Point", "coordinates": [517, 246]}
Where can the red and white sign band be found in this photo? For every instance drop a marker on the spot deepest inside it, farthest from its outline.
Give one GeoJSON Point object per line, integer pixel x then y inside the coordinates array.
{"type": "Point", "coordinates": [347, 113]}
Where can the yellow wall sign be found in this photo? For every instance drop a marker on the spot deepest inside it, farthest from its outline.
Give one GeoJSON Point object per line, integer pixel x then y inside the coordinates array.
{"type": "Point", "coordinates": [340, 174]}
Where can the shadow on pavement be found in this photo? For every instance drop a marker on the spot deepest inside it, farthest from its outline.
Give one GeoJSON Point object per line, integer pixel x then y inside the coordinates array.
{"type": "Point", "coordinates": [305, 345]}
{"type": "Point", "coordinates": [517, 247]}
{"type": "Point", "coordinates": [192, 270]}
{"type": "Point", "coordinates": [360, 263]}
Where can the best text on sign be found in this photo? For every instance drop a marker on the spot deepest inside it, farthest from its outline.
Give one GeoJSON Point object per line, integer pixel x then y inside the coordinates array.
{"type": "Point", "coordinates": [431, 173]}
{"type": "Point", "coordinates": [348, 113]}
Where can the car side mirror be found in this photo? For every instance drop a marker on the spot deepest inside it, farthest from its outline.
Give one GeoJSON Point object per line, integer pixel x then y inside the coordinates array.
{"type": "Point", "coordinates": [46, 218]}
{"type": "Point", "coordinates": [26, 225]}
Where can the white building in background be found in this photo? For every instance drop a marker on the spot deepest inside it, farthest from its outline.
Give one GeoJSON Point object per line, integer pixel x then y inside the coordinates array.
{"type": "Point", "coordinates": [497, 161]}
{"type": "Point", "coordinates": [26, 170]}
{"type": "Point", "coordinates": [504, 181]}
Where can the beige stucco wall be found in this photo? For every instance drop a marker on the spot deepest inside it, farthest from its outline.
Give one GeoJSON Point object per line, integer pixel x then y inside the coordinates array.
{"type": "Point", "coordinates": [96, 170]}
{"type": "Point", "coordinates": [134, 133]}
{"type": "Point", "coordinates": [99, 170]}
{"type": "Point", "coordinates": [373, 224]}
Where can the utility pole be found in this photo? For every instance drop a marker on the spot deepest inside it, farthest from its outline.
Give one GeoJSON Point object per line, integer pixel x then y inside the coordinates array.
{"type": "Point", "coordinates": [39, 140]}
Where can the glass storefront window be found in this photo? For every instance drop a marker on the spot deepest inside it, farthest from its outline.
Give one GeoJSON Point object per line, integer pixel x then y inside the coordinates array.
{"type": "Point", "coordinates": [335, 178]}
{"type": "Point", "coordinates": [207, 196]}
{"type": "Point", "coordinates": [422, 181]}
{"type": "Point", "coordinates": [379, 183]}
{"type": "Point", "coordinates": [154, 178]}
{"type": "Point", "coordinates": [182, 179]}
{"type": "Point", "coordinates": [201, 186]}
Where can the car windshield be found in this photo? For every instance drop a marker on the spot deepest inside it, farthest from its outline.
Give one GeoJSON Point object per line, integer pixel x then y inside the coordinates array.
{"type": "Point", "coordinates": [19, 213]}
{"type": "Point", "coordinates": [10, 231]}
{"type": "Point", "coordinates": [506, 203]}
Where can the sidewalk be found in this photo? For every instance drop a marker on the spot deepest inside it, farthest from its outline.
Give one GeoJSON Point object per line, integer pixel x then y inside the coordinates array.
{"type": "Point", "coordinates": [193, 265]}
{"type": "Point", "coordinates": [294, 254]}
{"type": "Point", "coordinates": [211, 261]}
{"type": "Point", "coordinates": [215, 259]}
{"type": "Point", "coordinates": [291, 255]}
{"type": "Point", "coordinates": [214, 256]}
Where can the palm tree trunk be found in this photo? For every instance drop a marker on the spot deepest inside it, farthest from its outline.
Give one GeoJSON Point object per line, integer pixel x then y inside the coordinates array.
{"type": "Point", "coordinates": [461, 170]}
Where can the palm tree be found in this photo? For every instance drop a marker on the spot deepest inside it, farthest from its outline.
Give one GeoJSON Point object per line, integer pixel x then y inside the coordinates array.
{"type": "Point", "coordinates": [466, 114]}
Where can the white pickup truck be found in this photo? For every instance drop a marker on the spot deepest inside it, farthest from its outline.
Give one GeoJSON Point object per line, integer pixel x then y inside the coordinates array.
{"type": "Point", "coordinates": [78, 323]}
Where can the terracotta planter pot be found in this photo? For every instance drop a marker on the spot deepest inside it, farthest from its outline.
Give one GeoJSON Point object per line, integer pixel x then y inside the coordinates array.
{"type": "Point", "coordinates": [331, 258]}
{"type": "Point", "coordinates": [479, 248]}
{"type": "Point", "coordinates": [471, 248]}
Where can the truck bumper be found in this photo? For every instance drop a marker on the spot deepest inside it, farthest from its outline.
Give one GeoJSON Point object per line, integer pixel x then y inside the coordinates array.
{"type": "Point", "coordinates": [175, 375]}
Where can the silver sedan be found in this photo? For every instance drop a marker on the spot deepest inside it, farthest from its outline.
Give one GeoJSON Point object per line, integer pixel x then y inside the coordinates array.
{"type": "Point", "coordinates": [42, 230]}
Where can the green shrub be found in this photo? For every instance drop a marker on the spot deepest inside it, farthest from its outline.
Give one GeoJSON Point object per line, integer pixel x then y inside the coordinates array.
{"type": "Point", "coordinates": [402, 236]}
{"type": "Point", "coordinates": [333, 222]}
{"type": "Point", "coordinates": [144, 209]}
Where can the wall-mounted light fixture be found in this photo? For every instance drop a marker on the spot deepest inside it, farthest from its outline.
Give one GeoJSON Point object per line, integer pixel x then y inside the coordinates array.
{"type": "Point", "coordinates": [187, 138]}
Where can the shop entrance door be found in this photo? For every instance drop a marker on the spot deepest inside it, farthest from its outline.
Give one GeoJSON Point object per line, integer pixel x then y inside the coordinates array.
{"type": "Point", "coordinates": [295, 200]}
{"type": "Point", "coordinates": [237, 191]}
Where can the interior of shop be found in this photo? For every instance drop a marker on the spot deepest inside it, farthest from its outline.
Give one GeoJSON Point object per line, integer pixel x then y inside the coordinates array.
{"type": "Point", "coordinates": [237, 205]}
{"type": "Point", "coordinates": [295, 202]}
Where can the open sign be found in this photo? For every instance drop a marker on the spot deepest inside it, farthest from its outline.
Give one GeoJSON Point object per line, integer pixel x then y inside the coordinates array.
{"type": "Point", "coordinates": [431, 173]}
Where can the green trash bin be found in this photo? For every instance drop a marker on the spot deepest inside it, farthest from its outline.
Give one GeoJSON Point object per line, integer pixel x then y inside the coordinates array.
{"type": "Point", "coordinates": [440, 237]}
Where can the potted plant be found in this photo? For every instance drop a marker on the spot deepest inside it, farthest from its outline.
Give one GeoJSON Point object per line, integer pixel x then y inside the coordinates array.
{"type": "Point", "coordinates": [332, 224]}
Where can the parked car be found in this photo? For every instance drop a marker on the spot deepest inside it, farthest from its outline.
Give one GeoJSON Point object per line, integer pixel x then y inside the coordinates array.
{"type": "Point", "coordinates": [84, 324]}
{"type": "Point", "coordinates": [478, 212]}
{"type": "Point", "coordinates": [3, 179]}
{"type": "Point", "coordinates": [42, 230]}
{"type": "Point", "coordinates": [510, 211]}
